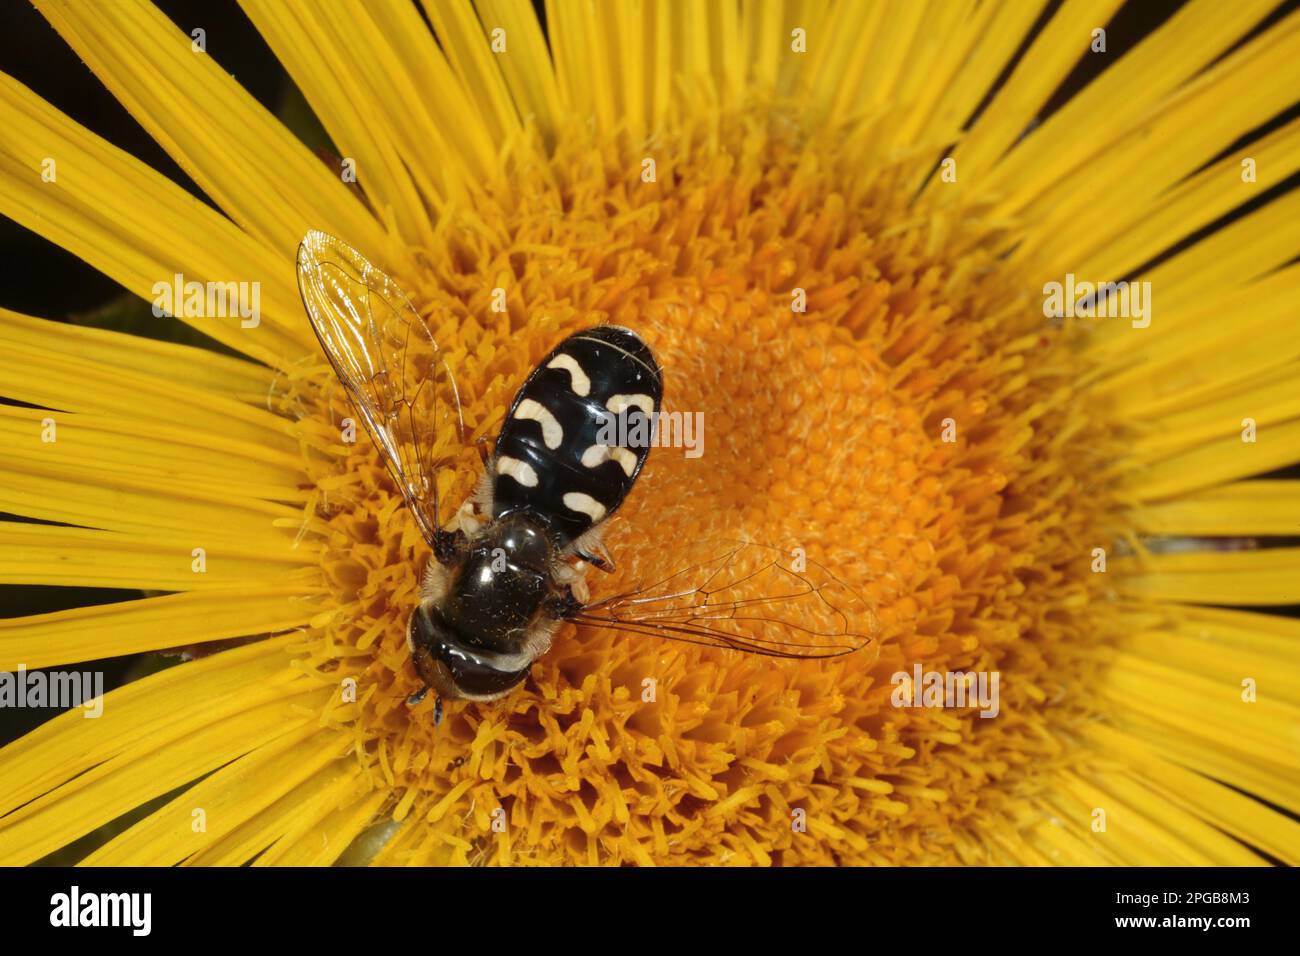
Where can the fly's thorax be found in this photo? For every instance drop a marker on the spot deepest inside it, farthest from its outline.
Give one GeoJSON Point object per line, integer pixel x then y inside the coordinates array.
{"type": "Point", "coordinates": [497, 591]}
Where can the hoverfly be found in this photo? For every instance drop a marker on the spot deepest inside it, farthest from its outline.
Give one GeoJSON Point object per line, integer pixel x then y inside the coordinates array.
{"type": "Point", "coordinates": [502, 580]}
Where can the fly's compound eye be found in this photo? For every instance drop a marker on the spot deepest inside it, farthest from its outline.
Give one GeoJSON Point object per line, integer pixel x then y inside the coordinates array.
{"type": "Point", "coordinates": [480, 674]}
{"type": "Point", "coordinates": [452, 667]}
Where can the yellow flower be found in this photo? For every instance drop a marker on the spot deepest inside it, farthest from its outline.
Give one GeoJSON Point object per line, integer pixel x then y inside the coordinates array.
{"type": "Point", "coordinates": [1063, 504]}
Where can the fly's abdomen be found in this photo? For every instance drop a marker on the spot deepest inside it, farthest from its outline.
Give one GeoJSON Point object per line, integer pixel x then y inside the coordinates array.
{"type": "Point", "coordinates": [578, 432]}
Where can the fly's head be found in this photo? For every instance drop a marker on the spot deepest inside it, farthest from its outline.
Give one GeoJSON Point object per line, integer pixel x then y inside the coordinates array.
{"type": "Point", "coordinates": [481, 620]}
{"type": "Point", "coordinates": [455, 668]}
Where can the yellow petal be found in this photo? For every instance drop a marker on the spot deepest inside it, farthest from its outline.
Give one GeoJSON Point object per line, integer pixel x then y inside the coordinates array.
{"type": "Point", "coordinates": [417, 150]}
{"type": "Point", "coordinates": [1214, 347]}
{"type": "Point", "coordinates": [149, 624]}
{"type": "Point", "coordinates": [191, 695]}
{"type": "Point", "coordinates": [281, 824]}
{"type": "Point", "coordinates": [1240, 508]}
{"type": "Point", "coordinates": [76, 557]}
{"type": "Point", "coordinates": [1196, 203]}
{"type": "Point", "coordinates": [1174, 139]}
{"type": "Point", "coordinates": [138, 228]}
{"type": "Point", "coordinates": [1232, 812]}
{"type": "Point", "coordinates": [1266, 576]}
{"type": "Point", "coordinates": [1039, 71]}
{"type": "Point", "coordinates": [195, 367]}
{"type": "Point", "coordinates": [149, 451]}
{"type": "Point", "coordinates": [45, 376]}
{"type": "Point", "coordinates": [87, 497]}
{"type": "Point", "coordinates": [223, 801]}
{"type": "Point", "coordinates": [237, 152]}
{"type": "Point", "coordinates": [1113, 103]}
{"type": "Point", "coordinates": [526, 66]}
{"type": "Point", "coordinates": [325, 821]}
{"type": "Point", "coordinates": [1225, 459]}
{"type": "Point", "coordinates": [986, 40]}
{"type": "Point", "coordinates": [1206, 708]}
{"type": "Point", "coordinates": [465, 41]}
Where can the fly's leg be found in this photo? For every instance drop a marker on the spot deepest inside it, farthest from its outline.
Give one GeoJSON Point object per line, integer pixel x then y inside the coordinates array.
{"type": "Point", "coordinates": [591, 549]}
{"type": "Point", "coordinates": [574, 580]}
{"type": "Point", "coordinates": [602, 561]}
{"type": "Point", "coordinates": [468, 521]}
{"type": "Point", "coordinates": [415, 699]}
{"type": "Point", "coordinates": [449, 546]}
{"type": "Point", "coordinates": [562, 605]}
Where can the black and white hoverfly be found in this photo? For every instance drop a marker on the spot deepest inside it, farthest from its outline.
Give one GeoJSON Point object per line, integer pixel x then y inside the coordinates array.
{"type": "Point", "coordinates": [508, 573]}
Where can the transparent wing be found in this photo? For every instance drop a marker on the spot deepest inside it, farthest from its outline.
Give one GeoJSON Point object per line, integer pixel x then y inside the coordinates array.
{"type": "Point", "coordinates": [385, 355]}
{"type": "Point", "coordinates": [744, 597]}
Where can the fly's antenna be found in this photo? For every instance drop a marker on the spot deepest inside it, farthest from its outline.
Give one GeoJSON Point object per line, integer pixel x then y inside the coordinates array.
{"type": "Point", "coordinates": [415, 699]}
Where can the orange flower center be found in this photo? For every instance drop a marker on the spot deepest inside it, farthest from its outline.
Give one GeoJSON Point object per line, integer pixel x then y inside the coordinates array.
{"type": "Point", "coordinates": [875, 389]}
